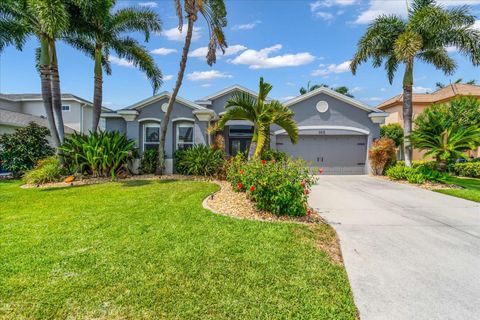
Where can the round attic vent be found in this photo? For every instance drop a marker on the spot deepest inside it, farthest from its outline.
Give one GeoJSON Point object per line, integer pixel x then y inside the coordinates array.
{"type": "Point", "coordinates": [322, 106]}
{"type": "Point", "coordinates": [164, 107]}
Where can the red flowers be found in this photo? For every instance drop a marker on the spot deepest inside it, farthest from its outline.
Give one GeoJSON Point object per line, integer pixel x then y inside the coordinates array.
{"type": "Point", "coordinates": [264, 162]}
{"type": "Point", "coordinates": [305, 191]}
{"type": "Point", "coordinates": [252, 188]}
{"type": "Point", "coordinates": [309, 213]}
{"type": "Point", "coordinates": [303, 183]}
{"type": "Point", "coordinates": [320, 170]}
{"type": "Point", "coordinates": [242, 171]}
{"type": "Point", "coordinates": [273, 160]}
{"type": "Point", "coordinates": [239, 185]}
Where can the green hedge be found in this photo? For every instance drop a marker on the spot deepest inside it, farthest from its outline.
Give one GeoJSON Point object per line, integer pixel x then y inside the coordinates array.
{"type": "Point", "coordinates": [467, 169]}
{"type": "Point", "coordinates": [199, 160]}
{"type": "Point", "coordinates": [280, 187]}
{"type": "Point", "coordinates": [419, 174]}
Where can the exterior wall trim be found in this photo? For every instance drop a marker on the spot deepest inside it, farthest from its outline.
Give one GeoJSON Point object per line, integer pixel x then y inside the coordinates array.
{"type": "Point", "coordinates": [300, 128]}
{"type": "Point", "coordinates": [150, 119]}
{"type": "Point", "coordinates": [183, 119]}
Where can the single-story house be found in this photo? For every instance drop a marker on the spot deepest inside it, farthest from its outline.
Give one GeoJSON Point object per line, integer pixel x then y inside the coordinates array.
{"type": "Point", "coordinates": [335, 130]}
{"type": "Point", "coordinates": [394, 105]}
{"type": "Point", "coordinates": [16, 109]}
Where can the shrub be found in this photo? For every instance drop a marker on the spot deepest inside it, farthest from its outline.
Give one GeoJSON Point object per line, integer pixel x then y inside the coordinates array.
{"type": "Point", "coordinates": [467, 169]}
{"type": "Point", "coordinates": [47, 170]}
{"type": "Point", "coordinates": [100, 154]}
{"type": "Point", "coordinates": [420, 163]}
{"type": "Point", "coordinates": [270, 155]}
{"type": "Point", "coordinates": [199, 160]}
{"type": "Point", "coordinates": [381, 153]}
{"type": "Point", "coordinates": [392, 131]}
{"type": "Point", "coordinates": [418, 175]}
{"type": "Point", "coordinates": [19, 151]}
{"type": "Point", "coordinates": [275, 186]}
{"type": "Point", "coordinates": [149, 161]}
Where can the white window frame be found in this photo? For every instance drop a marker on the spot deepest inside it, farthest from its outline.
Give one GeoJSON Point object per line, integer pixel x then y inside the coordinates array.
{"type": "Point", "coordinates": [184, 124]}
{"type": "Point", "coordinates": [150, 125]}
{"type": "Point", "coordinates": [66, 105]}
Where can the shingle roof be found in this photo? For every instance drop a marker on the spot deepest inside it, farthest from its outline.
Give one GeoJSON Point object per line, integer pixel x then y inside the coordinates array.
{"type": "Point", "coordinates": [446, 93]}
{"type": "Point", "coordinates": [17, 119]}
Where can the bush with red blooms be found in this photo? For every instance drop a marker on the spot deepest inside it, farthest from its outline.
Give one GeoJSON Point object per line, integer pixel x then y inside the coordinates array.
{"type": "Point", "coordinates": [280, 187]}
{"type": "Point", "coordinates": [382, 152]}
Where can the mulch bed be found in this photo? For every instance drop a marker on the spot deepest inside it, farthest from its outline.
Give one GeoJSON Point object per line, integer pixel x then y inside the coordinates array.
{"type": "Point", "coordinates": [236, 204]}
{"type": "Point", "coordinates": [427, 185]}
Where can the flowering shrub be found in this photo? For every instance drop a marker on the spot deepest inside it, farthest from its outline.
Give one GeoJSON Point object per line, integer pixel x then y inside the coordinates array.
{"type": "Point", "coordinates": [381, 153]}
{"type": "Point", "coordinates": [275, 186]}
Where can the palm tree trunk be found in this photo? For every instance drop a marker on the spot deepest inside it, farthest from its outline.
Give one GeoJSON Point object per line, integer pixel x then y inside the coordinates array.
{"type": "Point", "coordinates": [57, 97]}
{"type": "Point", "coordinates": [45, 75]}
{"type": "Point", "coordinates": [166, 118]}
{"type": "Point", "coordinates": [97, 88]}
{"type": "Point", "coordinates": [407, 112]}
{"type": "Point", "coordinates": [253, 144]}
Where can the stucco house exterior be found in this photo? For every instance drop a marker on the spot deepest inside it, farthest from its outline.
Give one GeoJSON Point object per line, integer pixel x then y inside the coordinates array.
{"type": "Point", "coordinates": [394, 105]}
{"type": "Point", "coordinates": [17, 110]}
{"type": "Point", "coordinates": [335, 131]}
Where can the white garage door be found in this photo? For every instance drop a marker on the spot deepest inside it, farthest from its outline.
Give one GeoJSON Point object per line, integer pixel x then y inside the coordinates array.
{"type": "Point", "coordinates": [335, 154]}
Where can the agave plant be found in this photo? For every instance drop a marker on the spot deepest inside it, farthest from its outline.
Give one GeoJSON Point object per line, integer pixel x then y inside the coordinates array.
{"type": "Point", "coordinates": [100, 154]}
{"type": "Point", "coordinates": [442, 139]}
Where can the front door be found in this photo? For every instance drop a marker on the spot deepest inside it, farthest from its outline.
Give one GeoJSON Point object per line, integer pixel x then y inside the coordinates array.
{"type": "Point", "coordinates": [239, 145]}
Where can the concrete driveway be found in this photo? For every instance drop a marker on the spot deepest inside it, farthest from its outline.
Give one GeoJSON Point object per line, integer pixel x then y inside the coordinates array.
{"type": "Point", "coordinates": [409, 253]}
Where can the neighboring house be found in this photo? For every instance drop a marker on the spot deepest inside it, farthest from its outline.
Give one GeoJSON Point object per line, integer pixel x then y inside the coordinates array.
{"type": "Point", "coordinates": [77, 112]}
{"type": "Point", "coordinates": [335, 131]}
{"type": "Point", "coordinates": [394, 106]}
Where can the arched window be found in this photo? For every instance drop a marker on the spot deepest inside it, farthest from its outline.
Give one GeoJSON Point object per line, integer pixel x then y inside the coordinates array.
{"type": "Point", "coordinates": [184, 135]}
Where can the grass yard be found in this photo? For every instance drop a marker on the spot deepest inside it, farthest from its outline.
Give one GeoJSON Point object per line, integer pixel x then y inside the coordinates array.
{"type": "Point", "coordinates": [471, 189]}
{"type": "Point", "coordinates": [148, 249]}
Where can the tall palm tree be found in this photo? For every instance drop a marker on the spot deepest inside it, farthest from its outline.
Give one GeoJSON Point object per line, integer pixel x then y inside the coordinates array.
{"type": "Point", "coordinates": [441, 85]}
{"type": "Point", "coordinates": [262, 113]}
{"type": "Point", "coordinates": [46, 20]}
{"type": "Point", "coordinates": [429, 29]}
{"type": "Point", "coordinates": [98, 30]}
{"type": "Point", "coordinates": [215, 14]}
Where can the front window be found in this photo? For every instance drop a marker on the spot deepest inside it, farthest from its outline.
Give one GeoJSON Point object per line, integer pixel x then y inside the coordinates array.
{"type": "Point", "coordinates": [65, 108]}
{"type": "Point", "coordinates": [151, 136]}
{"type": "Point", "coordinates": [184, 136]}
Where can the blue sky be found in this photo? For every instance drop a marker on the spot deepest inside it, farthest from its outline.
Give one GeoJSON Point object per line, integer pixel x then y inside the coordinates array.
{"type": "Point", "coordinates": [287, 42]}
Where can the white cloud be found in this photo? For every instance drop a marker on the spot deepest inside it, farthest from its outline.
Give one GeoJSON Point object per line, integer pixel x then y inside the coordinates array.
{"type": "Point", "coordinates": [163, 51]}
{"type": "Point", "coordinates": [420, 89]}
{"type": "Point", "coordinates": [231, 50]}
{"type": "Point", "coordinates": [324, 15]}
{"type": "Point", "coordinates": [207, 75]}
{"type": "Point", "coordinates": [168, 77]}
{"type": "Point", "coordinates": [332, 68]}
{"type": "Point", "coordinates": [246, 26]}
{"type": "Point", "coordinates": [314, 6]}
{"type": "Point", "coordinates": [262, 59]}
{"type": "Point", "coordinates": [383, 89]}
{"type": "Point", "coordinates": [206, 85]}
{"type": "Point", "coordinates": [174, 34]}
{"type": "Point", "coordinates": [149, 4]}
{"type": "Point", "coordinates": [379, 7]}
{"type": "Point", "coordinates": [357, 89]}
{"type": "Point", "coordinates": [120, 62]}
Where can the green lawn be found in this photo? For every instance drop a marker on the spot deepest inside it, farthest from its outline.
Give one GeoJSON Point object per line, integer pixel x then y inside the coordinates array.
{"type": "Point", "coordinates": [471, 189]}
{"type": "Point", "coordinates": [147, 249]}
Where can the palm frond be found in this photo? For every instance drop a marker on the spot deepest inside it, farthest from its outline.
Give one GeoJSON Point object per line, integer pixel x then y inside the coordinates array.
{"type": "Point", "coordinates": [143, 20]}
{"type": "Point", "coordinates": [235, 113]}
{"type": "Point", "coordinates": [440, 59]}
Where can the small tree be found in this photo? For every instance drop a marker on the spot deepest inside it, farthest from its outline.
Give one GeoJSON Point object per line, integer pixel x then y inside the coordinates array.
{"type": "Point", "coordinates": [381, 153]}
{"type": "Point", "coordinates": [20, 151]}
{"type": "Point", "coordinates": [393, 131]}
{"type": "Point", "coordinates": [444, 138]}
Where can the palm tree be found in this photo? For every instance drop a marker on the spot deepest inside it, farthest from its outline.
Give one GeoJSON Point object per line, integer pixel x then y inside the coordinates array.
{"type": "Point", "coordinates": [441, 85]}
{"type": "Point", "coordinates": [215, 14]}
{"type": "Point", "coordinates": [262, 113]}
{"type": "Point", "coordinates": [99, 30]}
{"type": "Point", "coordinates": [426, 33]}
{"type": "Point", "coordinates": [343, 89]}
{"type": "Point", "coordinates": [442, 138]}
{"type": "Point", "coordinates": [46, 20]}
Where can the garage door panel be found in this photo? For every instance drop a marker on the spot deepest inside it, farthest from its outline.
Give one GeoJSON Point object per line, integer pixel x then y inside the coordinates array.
{"type": "Point", "coordinates": [335, 154]}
